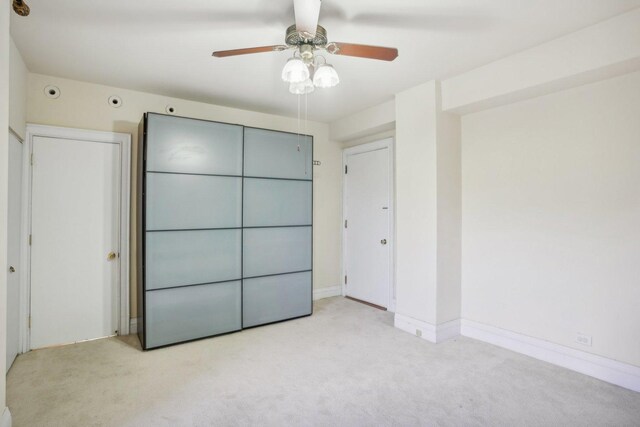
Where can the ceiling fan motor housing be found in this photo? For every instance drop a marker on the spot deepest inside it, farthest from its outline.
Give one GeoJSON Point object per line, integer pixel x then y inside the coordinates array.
{"type": "Point", "coordinates": [294, 37]}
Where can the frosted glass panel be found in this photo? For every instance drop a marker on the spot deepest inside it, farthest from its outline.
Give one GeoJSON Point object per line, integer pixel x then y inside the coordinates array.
{"type": "Point", "coordinates": [193, 201]}
{"type": "Point", "coordinates": [276, 202]}
{"type": "Point", "coordinates": [176, 258]}
{"type": "Point", "coordinates": [276, 155]}
{"type": "Point", "coordinates": [273, 298]}
{"type": "Point", "coordinates": [176, 144]}
{"type": "Point", "coordinates": [182, 314]}
{"type": "Point", "coordinates": [276, 250]}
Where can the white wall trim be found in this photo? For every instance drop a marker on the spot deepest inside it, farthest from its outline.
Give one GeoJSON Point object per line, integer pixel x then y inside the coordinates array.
{"type": "Point", "coordinates": [5, 421]}
{"type": "Point", "coordinates": [609, 370]}
{"type": "Point", "coordinates": [124, 142]}
{"type": "Point", "coordinates": [388, 143]}
{"type": "Point", "coordinates": [331, 291]}
{"type": "Point", "coordinates": [427, 331]}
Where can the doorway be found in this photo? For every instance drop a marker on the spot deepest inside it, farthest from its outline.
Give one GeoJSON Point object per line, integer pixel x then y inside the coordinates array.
{"type": "Point", "coordinates": [368, 231]}
{"type": "Point", "coordinates": [78, 234]}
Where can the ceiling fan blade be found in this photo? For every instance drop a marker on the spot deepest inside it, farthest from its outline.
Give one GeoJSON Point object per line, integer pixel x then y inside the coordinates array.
{"type": "Point", "coordinates": [363, 51]}
{"type": "Point", "coordinates": [248, 50]}
{"type": "Point", "coordinates": [307, 13]}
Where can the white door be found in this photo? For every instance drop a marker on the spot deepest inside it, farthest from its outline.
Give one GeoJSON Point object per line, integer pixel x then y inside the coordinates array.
{"type": "Point", "coordinates": [13, 248]}
{"type": "Point", "coordinates": [368, 224]}
{"type": "Point", "coordinates": [74, 229]}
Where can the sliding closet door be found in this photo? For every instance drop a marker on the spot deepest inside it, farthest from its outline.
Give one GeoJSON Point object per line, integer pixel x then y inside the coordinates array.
{"type": "Point", "coordinates": [277, 226]}
{"type": "Point", "coordinates": [193, 223]}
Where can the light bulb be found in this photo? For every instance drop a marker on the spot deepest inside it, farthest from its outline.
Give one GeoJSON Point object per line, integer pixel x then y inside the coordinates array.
{"type": "Point", "coordinates": [326, 76]}
{"type": "Point", "coordinates": [295, 71]}
{"type": "Point", "coordinates": [302, 87]}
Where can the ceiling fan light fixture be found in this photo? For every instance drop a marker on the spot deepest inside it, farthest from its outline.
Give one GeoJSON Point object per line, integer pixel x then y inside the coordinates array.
{"type": "Point", "coordinates": [326, 76]}
{"type": "Point", "coordinates": [301, 88]}
{"type": "Point", "coordinates": [295, 71]}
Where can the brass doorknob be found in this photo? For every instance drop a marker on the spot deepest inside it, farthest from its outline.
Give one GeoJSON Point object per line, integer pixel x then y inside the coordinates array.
{"type": "Point", "coordinates": [383, 241]}
{"type": "Point", "coordinates": [111, 256]}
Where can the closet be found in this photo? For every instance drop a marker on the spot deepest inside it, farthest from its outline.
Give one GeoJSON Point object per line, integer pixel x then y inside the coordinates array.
{"type": "Point", "coordinates": [224, 228]}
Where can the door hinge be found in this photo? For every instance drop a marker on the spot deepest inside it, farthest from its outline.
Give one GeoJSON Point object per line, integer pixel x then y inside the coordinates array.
{"type": "Point", "coordinates": [346, 168]}
{"type": "Point", "coordinates": [345, 279]}
{"type": "Point", "coordinates": [30, 239]}
{"type": "Point", "coordinates": [31, 159]}
{"type": "Point", "coordinates": [29, 322]}
{"type": "Point", "coordinates": [345, 223]}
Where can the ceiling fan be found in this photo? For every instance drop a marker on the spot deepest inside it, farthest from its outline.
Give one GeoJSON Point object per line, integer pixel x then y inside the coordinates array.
{"type": "Point", "coordinates": [304, 71]}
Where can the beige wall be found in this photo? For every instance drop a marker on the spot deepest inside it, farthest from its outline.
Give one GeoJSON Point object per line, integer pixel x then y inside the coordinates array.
{"type": "Point", "coordinates": [416, 202]}
{"type": "Point", "coordinates": [551, 217]}
{"type": "Point", "coordinates": [374, 120]}
{"type": "Point", "coordinates": [84, 105]}
{"type": "Point", "coordinates": [18, 74]}
{"type": "Point", "coordinates": [449, 217]}
{"type": "Point", "coordinates": [427, 208]}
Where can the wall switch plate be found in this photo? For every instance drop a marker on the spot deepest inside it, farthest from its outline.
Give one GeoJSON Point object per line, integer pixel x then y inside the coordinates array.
{"type": "Point", "coordinates": [418, 333]}
{"type": "Point", "coordinates": [583, 339]}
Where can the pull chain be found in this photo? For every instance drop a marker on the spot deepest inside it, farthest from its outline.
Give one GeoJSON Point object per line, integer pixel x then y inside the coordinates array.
{"type": "Point", "coordinates": [306, 163]}
{"type": "Point", "coordinates": [298, 130]}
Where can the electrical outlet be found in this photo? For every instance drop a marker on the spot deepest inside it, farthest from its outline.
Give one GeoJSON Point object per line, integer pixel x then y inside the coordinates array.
{"type": "Point", "coordinates": [418, 333]}
{"type": "Point", "coordinates": [583, 339]}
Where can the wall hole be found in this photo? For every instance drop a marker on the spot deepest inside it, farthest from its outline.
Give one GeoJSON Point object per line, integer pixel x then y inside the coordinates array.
{"type": "Point", "coordinates": [52, 92]}
{"type": "Point", "coordinates": [115, 101]}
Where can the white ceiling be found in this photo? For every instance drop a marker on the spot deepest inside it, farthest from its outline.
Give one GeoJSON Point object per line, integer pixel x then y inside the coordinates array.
{"type": "Point", "coordinates": [165, 47]}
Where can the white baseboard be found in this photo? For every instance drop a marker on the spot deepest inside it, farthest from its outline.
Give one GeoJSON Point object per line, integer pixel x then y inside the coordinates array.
{"type": "Point", "coordinates": [609, 370]}
{"type": "Point", "coordinates": [427, 331]}
{"type": "Point", "coordinates": [5, 421]}
{"type": "Point", "coordinates": [133, 326]}
{"type": "Point", "coordinates": [331, 291]}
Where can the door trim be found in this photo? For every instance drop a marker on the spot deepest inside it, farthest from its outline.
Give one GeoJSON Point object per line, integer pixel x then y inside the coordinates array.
{"type": "Point", "coordinates": [389, 144]}
{"type": "Point", "coordinates": [123, 141]}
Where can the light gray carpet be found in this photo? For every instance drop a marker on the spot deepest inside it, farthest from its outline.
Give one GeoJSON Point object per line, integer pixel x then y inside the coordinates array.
{"type": "Point", "coordinates": [346, 366]}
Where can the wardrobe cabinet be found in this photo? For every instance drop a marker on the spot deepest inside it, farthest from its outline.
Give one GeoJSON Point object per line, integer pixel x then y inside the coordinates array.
{"type": "Point", "coordinates": [225, 219]}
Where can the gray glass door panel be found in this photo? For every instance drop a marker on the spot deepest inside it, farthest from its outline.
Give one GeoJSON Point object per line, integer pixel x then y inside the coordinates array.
{"type": "Point", "coordinates": [271, 202]}
{"type": "Point", "coordinates": [182, 314]}
{"type": "Point", "coordinates": [177, 144]}
{"type": "Point", "coordinates": [271, 154]}
{"type": "Point", "coordinates": [178, 258]}
{"type": "Point", "coordinates": [177, 201]}
{"type": "Point", "coordinates": [273, 298]}
{"type": "Point", "coordinates": [276, 250]}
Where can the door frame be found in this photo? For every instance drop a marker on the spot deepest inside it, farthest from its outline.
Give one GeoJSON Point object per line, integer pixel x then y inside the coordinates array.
{"type": "Point", "coordinates": [22, 221]}
{"type": "Point", "coordinates": [380, 144]}
{"type": "Point", "coordinates": [123, 141]}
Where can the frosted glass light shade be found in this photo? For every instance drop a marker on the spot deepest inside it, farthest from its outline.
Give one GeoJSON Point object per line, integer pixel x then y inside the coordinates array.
{"type": "Point", "coordinates": [302, 87]}
{"type": "Point", "coordinates": [295, 71]}
{"type": "Point", "coordinates": [326, 76]}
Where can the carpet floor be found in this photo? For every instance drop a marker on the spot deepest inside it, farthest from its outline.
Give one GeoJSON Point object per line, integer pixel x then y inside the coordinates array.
{"type": "Point", "coordinates": [344, 366]}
